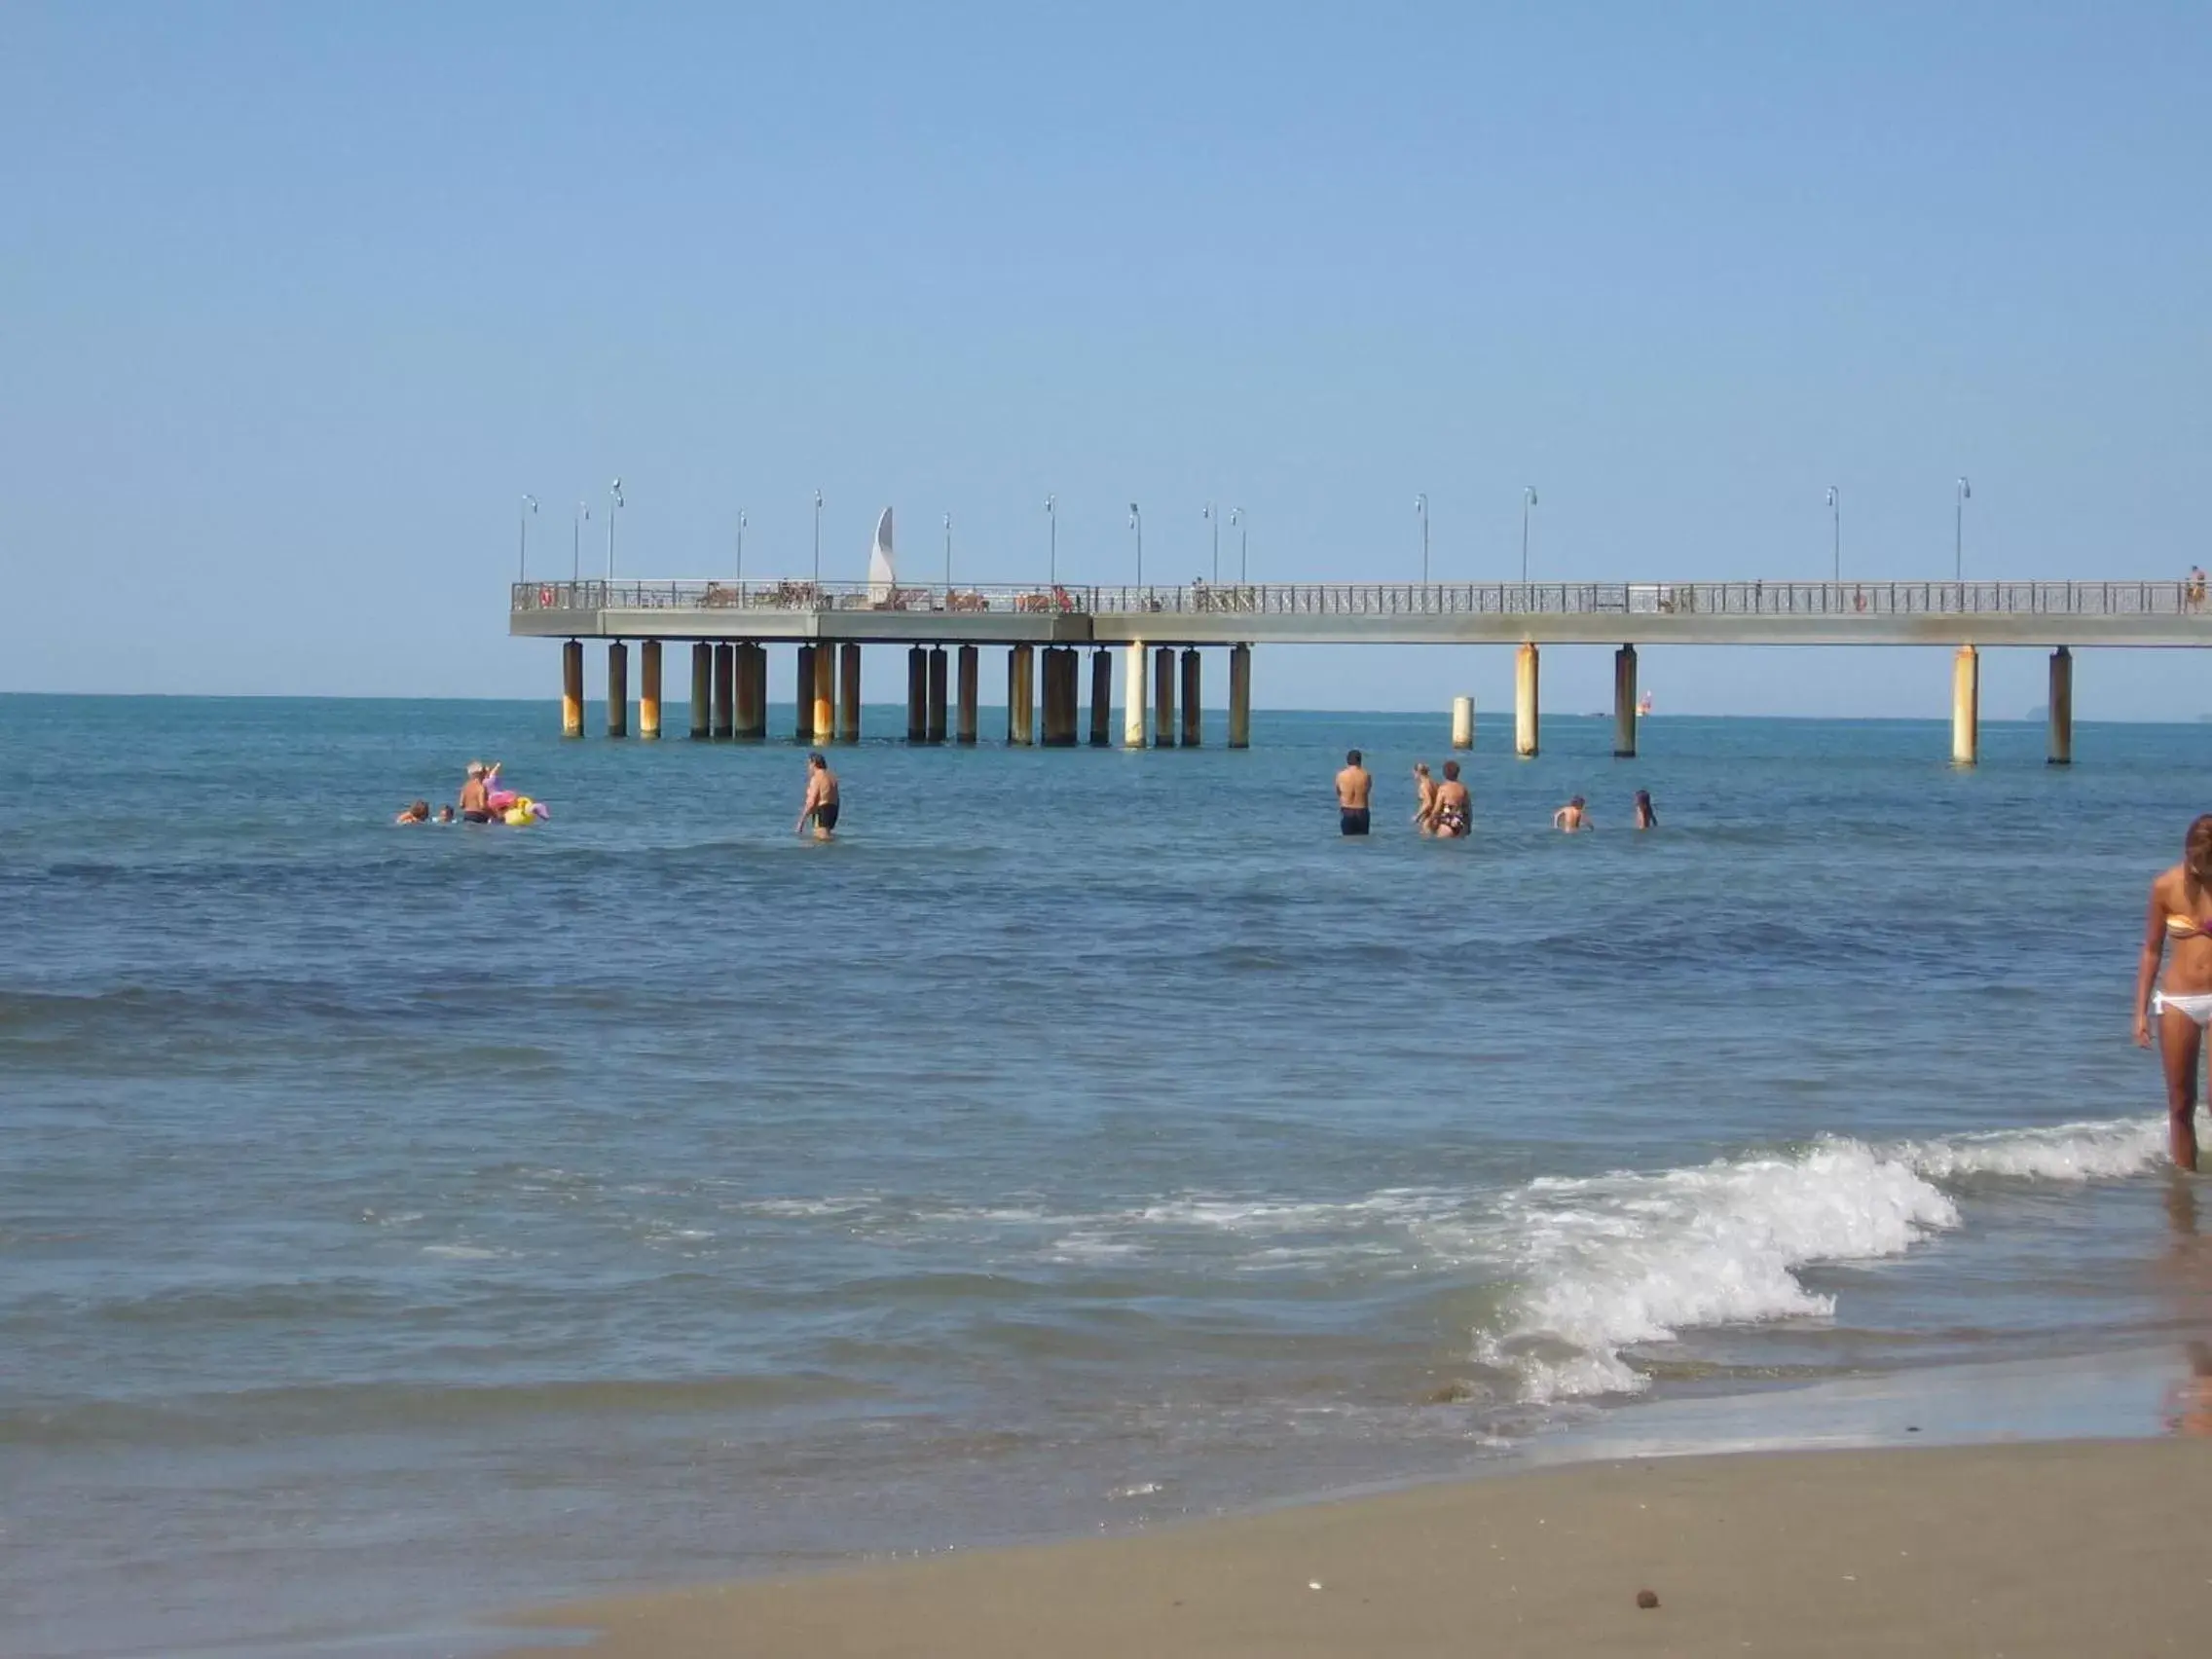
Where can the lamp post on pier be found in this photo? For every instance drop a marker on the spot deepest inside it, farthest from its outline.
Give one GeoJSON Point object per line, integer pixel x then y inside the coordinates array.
{"type": "Point", "coordinates": [1420, 512]}
{"type": "Point", "coordinates": [741, 549]}
{"type": "Point", "coordinates": [1052, 539]}
{"type": "Point", "coordinates": [1136, 523]}
{"type": "Point", "coordinates": [614, 501]}
{"type": "Point", "coordinates": [1527, 501]}
{"type": "Point", "coordinates": [1835, 517]}
{"type": "Point", "coordinates": [522, 552]}
{"type": "Point", "coordinates": [948, 552]}
{"type": "Point", "coordinates": [818, 536]}
{"type": "Point", "coordinates": [1959, 529]}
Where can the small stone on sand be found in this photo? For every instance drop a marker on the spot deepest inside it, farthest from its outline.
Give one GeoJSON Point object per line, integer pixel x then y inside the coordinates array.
{"type": "Point", "coordinates": [1647, 1599]}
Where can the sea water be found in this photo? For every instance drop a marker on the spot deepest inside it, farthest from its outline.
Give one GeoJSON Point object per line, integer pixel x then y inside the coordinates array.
{"type": "Point", "coordinates": [397, 1223]}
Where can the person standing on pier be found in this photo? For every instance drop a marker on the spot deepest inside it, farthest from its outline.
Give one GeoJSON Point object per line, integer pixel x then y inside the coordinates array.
{"type": "Point", "coordinates": [1454, 814]}
{"type": "Point", "coordinates": [820, 803]}
{"type": "Point", "coordinates": [1353, 786]}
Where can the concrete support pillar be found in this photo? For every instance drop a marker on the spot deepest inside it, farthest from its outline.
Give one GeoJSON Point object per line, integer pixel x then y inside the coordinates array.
{"type": "Point", "coordinates": [2061, 707]}
{"type": "Point", "coordinates": [1021, 695]}
{"type": "Point", "coordinates": [917, 694]}
{"type": "Point", "coordinates": [617, 688]}
{"type": "Point", "coordinates": [849, 692]}
{"type": "Point", "coordinates": [1133, 695]}
{"type": "Point", "coordinates": [1068, 695]}
{"type": "Point", "coordinates": [934, 728]}
{"type": "Point", "coordinates": [1192, 709]}
{"type": "Point", "coordinates": [572, 689]}
{"type": "Point", "coordinates": [702, 689]}
{"type": "Point", "coordinates": [1239, 696]}
{"type": "Point", "coordinates": [1526, 717]}
{"type": "Point", "coordinates": [648, 691]}
{"type": "Point", "coordinates": [1463, 723]}
{"type": "Point", "coordinates": [725, 691]}
{"type": "Point", "coordinates": [825, 694]}
{"type": "Point", "coordinates": [1966, 707]}
{"type": "Point", "coordinates": [1624, 703]}
{"type": "Point", "coordinates": [802, 694]}
{"type": "Point", "coordinates": [1163, 697]}
{"type": "Point", "coordinates": [970, 673]}
{"type": "Point", "coordinates": [1102, 698]}
{"type": "Point", "coordinates": [753, 691]}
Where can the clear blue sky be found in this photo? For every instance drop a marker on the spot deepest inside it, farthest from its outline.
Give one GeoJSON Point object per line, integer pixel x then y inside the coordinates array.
{"type": "Point", "coordinates": [296, 301]}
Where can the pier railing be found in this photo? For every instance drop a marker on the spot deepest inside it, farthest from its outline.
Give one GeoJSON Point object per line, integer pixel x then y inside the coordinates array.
{"type": "Point", "coordinates": [2181, 598]}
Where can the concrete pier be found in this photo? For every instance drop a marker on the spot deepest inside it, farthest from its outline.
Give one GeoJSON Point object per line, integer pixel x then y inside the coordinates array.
{"type": "Point", "coordinates": [1163, 698]}
{"type": "Point", "coordinates": [749, 672]}
{"type": "Point", "coordinates": [1239, 696]}
{"type": "Point", "coordinates": [648, 691]}
{"type": "Point", "coordinates": [1526, 717]}
{"type": "Point", "coordinates": [825, 724]}
{"type": "Point", "coordinates": [802, 694]}
{"type": "Point", "coordinates": [1624, 703]}
{"type": "Point", "coordinates": [970, 672]}
{"type": "Point", "coordinates": [1102, 698]}
{"type": "Point", "coordinates": [849, 692]}
{"type": "Point", "coordinates": [1133, 697]}
{"type": "Point", "coordinates": [1966, 707]}
{"type": "Point", "coordinates": [917, 694]}
{"type": "Point", "coordinates": [1463, 723]}
{"type": "Point", "coordinates": [1021, 695]}
{"type": "Point", "coordinates": [702, 691]}
{"type": "Point", "coordinates": [617, 689]}
{"type": "Point", "coordinates": [572, 689]}
{"type": "Point", "coordinates": [2061, 707]}
{"type": "Point", "coordinates": [1193, 710]}
{"type": "Point", "coordinates": [725, 691]}
{"type": "Point", "coordinates": [933, 730]}
{"type": "Point", "coordinates": [1056, 730]}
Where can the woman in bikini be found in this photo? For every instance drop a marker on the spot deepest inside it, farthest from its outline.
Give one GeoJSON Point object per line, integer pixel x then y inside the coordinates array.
{"type": "Point", "coordinates": [2178, 936]}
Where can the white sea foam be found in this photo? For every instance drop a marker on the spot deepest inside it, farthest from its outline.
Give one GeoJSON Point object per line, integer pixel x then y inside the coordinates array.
{"type": "Point", "coordinates": [1630, 1259]}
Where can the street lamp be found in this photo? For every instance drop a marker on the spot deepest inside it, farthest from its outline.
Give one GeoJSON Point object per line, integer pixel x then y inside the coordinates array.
{"type": "Point", "coordinates": [1243, 541]}
{"type": "Point", "coordinates": [1959, 531]}
{"type": "Point", "coordinates": [1527, 501]}
{"type": "Point", "coordinates": [1136, 523]}
{"type": "Point", "coordinates": [948, 552]}
{"type": "Point", "coordinates": [818, 536]}
{"type": "Point", "coordinates": [1206, 513]}
{"type": "Point", "coordinates": [740, 549]}
{"type": "Point", "coordinates": [613, 500]}
{"type": "Point", "coordinates": [576, 541]}
{"type": "Point", "coordinates": [522, 553]}
{"type": "Point", "coordinates": [1420, 512]}
{"type": "Point", "coordinates": [1836, 515]}
{"type": "Point", "coordinates": [1052, 542]}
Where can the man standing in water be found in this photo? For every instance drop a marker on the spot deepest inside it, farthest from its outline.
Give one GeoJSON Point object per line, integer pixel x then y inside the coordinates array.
{"type": "Point", "coordinates": [820, 803]}
{"type": "Point", "coordinates": [1353, 786]}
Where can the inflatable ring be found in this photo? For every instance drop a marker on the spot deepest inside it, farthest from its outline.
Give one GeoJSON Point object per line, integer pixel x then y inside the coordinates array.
{"type": "Point", "coordinates": [545, 599]}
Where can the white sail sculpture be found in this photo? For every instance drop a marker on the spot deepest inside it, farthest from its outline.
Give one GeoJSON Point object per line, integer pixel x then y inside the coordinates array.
{"type": "Point", "coordinates": [882, 574]}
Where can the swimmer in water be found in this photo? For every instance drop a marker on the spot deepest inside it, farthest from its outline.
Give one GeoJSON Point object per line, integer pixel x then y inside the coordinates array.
{"type": "Point", "coordinates": [445, 813]}
{"type": "Point", "coordinates": [1353, 786]}
{"type": "Point", "coordinates": [1572, 818]}
{"type": "Point", "coordinates": [1455, 813]}
{"type": "Point", "coordinates": [418, 813]}
{"type": "Point", "coordinates": [820, 803]}
{"type": "Point", "coordinates": [2177, 938]}
{"type": "Point", "coordinates": [1424, 806]}
{"type": "Point", "coordinates": [475, 796]}
{"type": "Point", "coordinates": [1645, 817]}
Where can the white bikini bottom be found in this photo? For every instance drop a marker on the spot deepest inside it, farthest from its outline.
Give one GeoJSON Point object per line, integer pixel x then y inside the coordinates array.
{"type": "Point", "coordinates": [2197, 1006]}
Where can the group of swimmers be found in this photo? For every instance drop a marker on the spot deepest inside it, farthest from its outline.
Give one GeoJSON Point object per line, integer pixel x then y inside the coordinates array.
{"type": "Point", "coordinates": [1444, 809]}
{"type": "Point", "coordinates": [484, 800]}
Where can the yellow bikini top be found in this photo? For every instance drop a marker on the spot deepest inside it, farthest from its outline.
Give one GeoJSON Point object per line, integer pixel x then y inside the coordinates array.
{"type": "Point", "coordinates": [2188, 927]}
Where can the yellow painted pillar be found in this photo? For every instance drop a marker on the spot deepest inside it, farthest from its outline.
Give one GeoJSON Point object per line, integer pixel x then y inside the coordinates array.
{"type": "Point", "coordinates": [1526, 717]}
{"type": "Point", "coordinates": [1239, 696]}
{"type": "Point", "coordinates": [702, 689]}
{"type": "Point", "coordinates": [649, 692]}
{"type": "Point", "coordinates": [825, 694]}
{"type": "Point", "coordinates": [1163, 697]}
{"type": "Point", "coordinates": [970, 671]}
{"type": "Point", "coordinates": [849, 692]}
{"type": "Point", "coordinates": [572, 689]}
{"type": "Point", "coordinates": [802, 693]}
{"type": "Point", "coordinates": [1966, 707]}
{"type": "Point", "coordinates": [2062, 707]}
{"type": "Point", "coordinates": [617, 689]}
{"type": "Point", "coordinates": [1133, 696]}
{"type": "Point", "coordinates": [933, 730]}
{"type": "Point", "coordinates": [1463, 723]}
{"type": "Point", "coordinates": [1624, 703]}
{"type": "Point", "coordinates": [1193, 710]}
{"type": "Point", "coordinates": [1102, 698]}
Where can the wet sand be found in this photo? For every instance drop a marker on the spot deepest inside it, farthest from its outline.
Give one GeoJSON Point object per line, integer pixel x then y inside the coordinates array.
{"type": "Point", "coordinates": [2068, 1549]}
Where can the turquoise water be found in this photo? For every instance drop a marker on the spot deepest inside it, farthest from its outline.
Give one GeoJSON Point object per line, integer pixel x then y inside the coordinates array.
{"type": "Point", "coordinates": [404, 1223]}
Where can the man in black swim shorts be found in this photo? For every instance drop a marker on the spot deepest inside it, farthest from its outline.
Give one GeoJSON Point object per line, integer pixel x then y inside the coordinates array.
{"type": "Point", "coordinates": [821, 805]}
{"type": "Point", "coordinates": [1353, 786]}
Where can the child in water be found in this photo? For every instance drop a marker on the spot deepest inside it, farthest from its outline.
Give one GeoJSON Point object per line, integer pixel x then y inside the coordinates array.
{"type": "Point", "coordinates": [417, 813]}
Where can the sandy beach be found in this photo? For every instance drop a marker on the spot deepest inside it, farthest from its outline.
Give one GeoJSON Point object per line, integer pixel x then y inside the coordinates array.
{"type": "Point", "coordinates": [2056, 1549]}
